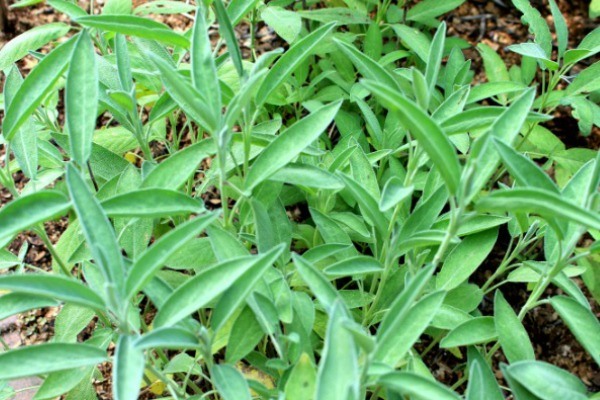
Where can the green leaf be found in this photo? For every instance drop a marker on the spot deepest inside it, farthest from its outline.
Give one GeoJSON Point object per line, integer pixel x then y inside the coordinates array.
{"type": "Point", "coordinates": [68, 8]}
{"type": "Point", "coordinates": [512, 336]}
{"type": "Point", "coordinates": [495, 69]}
{"type": "Point", "coordinates": [285, 23]}
{"type": "Point", "coordinates": [426, 10]}
{"type": "Point", "coordinates": [475, 331]}
{"type": "Point", "coordinates": [227, 32]}
{"type": "Point", "coordinates": [164, 7]}
{"type": "Point", "coordinates": [98, 231]}
{"type": "Point", "coordinates": [482, 382]}
{"type": "Point", "coordinates": [292, 59]}
{"type": "Point", "coordinates": [581, 321]}
{"type": "Point", "coordinates": [70, 321]}
{"type": "Point", "coordinates": [434, 61]}
{"type": "Point", "coordinates": [586, 81]}
{"type": "Point", "coordinates": [537, 25]}
{"type": "Point", "coordinates": [427, 132]}
{"type": "Point", "coordinates": [15, 303]}
{"type": "Point", "coordinates": [368, 204]}
{"type": "Point", "coordinates": [465, 258]}
{"type": "Point", "coordinates": [538, 201]}
{"type": "Point", "coordinates": [175, 170]}
{"type": "Point", "coordinates": [128, 369]}
{"type": "Point", "coordinates": [289, 144]}
{"type": "Point", "coordinates": [394, 193]}
{"type": "Point", "coordinates": [396, 340]}
{"type": "Point", "coordinates": [338, 375]}
{"type": "Point", "coordinates": [135, 26]}
{"type": "Point", "coordinates": [197, 292]}
{"type": "Point", "coordinates": [151, 203]}
{"type": "Point", "coordinates": [307, 175]}
{"type": "Point", "coordinates": [36, 87]}
{"type": "Point", "coordinates": [594, 9]}
{"type": "Point", "coordinates": [525, 171]}
{"type": "Point", "coordinates": [49, 357]}
{"type": "Point", "coordinates": [230, 383]}
{"type": "Point", "coordinates": [204, 71]}
{"type": "Point", "coordinates": [168, 338]}
{"type": "Point", "coordinates": [359, 265]}
{"type": "Point", "coordinates": [31, 40]}
{"type": "Point", "coordinates": [546, 381]}
{"type": "Point", "coordinates": [191, 101]}
{"type": "Point", "coordinates": [493, 89]}
{"type": "Point", "coordinates": [561, 28]}
{"type": "Point", "coordinates": [81, 98]}
{"type": "Point", "coordinates": [302, 380]}
{"type": "Point", "coordinates": [417, 386]}
{"type": "Point", "coordinates": [242, 287]}
{"type": "Point", "coordinates": [157, 255]}
{"type": "Point", "coordinates": [339, 15]}
{"type": "Point", "coordinates": [317, 282]}
{"type": "Point", "coordinates": [54, 287]}
{"type": "Point", "coordinates": [368, 67]}
{"type": "Point", "coordinates": [533, 50]}
{"type": "Point", "coordinates": [27, 211]}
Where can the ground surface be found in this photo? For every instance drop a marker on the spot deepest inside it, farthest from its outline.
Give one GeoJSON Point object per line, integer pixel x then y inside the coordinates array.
{"type": "Point", "coordinates": [494, 22]}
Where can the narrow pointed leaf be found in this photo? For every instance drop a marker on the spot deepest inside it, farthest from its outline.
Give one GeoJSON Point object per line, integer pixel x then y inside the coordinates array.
{"type": "Point", "coordinates": [427, 132]}
{"type": "Point", "coordinates": [46, 358]}
{"type": "Point", "coordinates": [168, 338]}
{"type": "Point", "coordinates": [512, 336]}
{"type": "Point", "coordinates": [157, 255]}
{"type": "Point", "coordinates": [81, 98]}
{"type": "Point", "coordinates": [30, 210]}
{"type": "Point", "coordinates": [135, 26]}
{"type": "Point", "coordinates": [417, 386]}
{"type": "Point", "coordinates": [290, 143]}
{"type": "Point", "coordinates": [54, 287]}
{"type": "Point", "coordinates": [151, 203]}
{"type": "Point", "coordinates": [128, 369]}
{"type": "Point", "coordinates": [287, 64]}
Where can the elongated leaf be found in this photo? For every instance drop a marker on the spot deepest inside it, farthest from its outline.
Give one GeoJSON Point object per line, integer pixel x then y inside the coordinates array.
{"type": "Point", "coordinates": [15, 303]}
{"type": "Point", "coordinates": [538, 201]}
{"type": "Point", "coordinates": [30, 210]}
{"type": "Point", "coordinates": [97, 230]}
{"type": "Point", "coordinates": [128, 369]}
{"type": "Point", "coordinates": [436, 53]}
{"type": "Point", "coordinates": [560, 26]}
{"type": "Point", "coordinates": [35, 87]}
{"type": "Point", "coordinates": [81, 98]}
{"type": "Point", "coordinates": [175, 170]}
{"type": "Point", "coordinates": [511, 334]}
{"type": "Point", "coordinates": [475, 331]}
{"type": "Point", "coordinates": [307, 175]}
{"type": "Point", "coordinates": [230, 383]}
{"type": "Point", "coordinates": [417, 386]}
{"type": "Point", "coordinates": [587, 80]}
{"type": "Point", "coordinates": [227, 32]}
{"type": "Point", "coordinates": [428, 9]}
{"type": "Point", "coordinates": [33, 39]}
{"type": "Point", "coordinates": [394, 192]}
{"type": "Point", "coordinates": [168, 338]}
{"type": "Point", "coordinates": [482, 382]}
{"type": "Point", "coordinates": [151, 203]}
{"type": "Point", "coordinates": [48, 357]}
{"type": "Point", "coordinates": [54, 287]}
{"type": "Point", "coordinates": [290, 143]}
{"type": "Point", "coordinates": [191, 101]}
{"type": "Point", "coordinates": [525, 171]}
{"type": "Point", "coordinates": [239, 291]}
{"type": "Point", "coordinates": [358, 265]}
{"type": "Point", "coordinates": [197, 292]}
{"type": "Point", "coordinates": [425, 130]}
{"type": "Point", "coordinates": [537, 25]}
{"type": "Point", "coordinates": [317, 282]}
{"type": "Point", "coordinates": [581, 322]}
{"type": "Point", "coordinates": [204, 71]}
{"type": "Point", "coordinates": [135, 26]}
{"type": "Point", "coordinates": [367, 204]}
{"type": "Point", "coordinates": [338, 375]}
{"type": "Point", "coordinates": [368, 67]}
{"type": "Point", "coordinates": [288, 63]}
{"type": "Point", "coordinates": [302, 380]}
{"type": "Point", "coordinates": [465, 258]}
{"type": "Point", "coordinates": [534, 51]}
{"type": "Point", "coordinates": [392, 346]}
{"type": "Point", "coordinates": [156, 256]}
{"type": "Point", "coordinates": [68, 8]}
{"type": "Point", "coordinates": [546, 381]}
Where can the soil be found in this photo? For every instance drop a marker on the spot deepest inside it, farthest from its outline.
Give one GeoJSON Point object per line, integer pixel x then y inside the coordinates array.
{"type": "Point", "coordinates": [494, 22]}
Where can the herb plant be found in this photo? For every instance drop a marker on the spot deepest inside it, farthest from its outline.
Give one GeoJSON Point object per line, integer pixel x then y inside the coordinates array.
{"type": "Point", "coordinates": [316, 221]}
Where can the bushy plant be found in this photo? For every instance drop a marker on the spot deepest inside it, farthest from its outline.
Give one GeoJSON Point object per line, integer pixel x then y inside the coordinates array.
{"type": "Point", "coordinates": [316, 212]}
